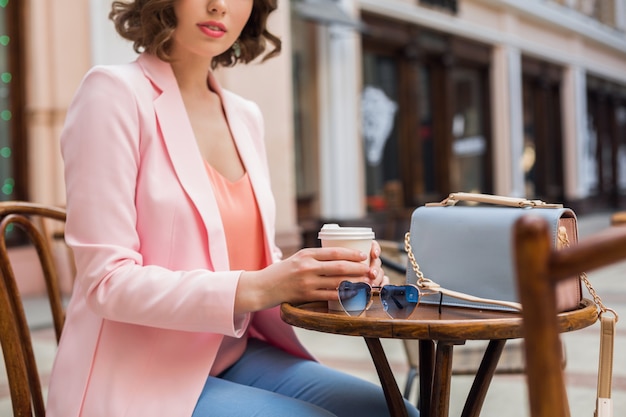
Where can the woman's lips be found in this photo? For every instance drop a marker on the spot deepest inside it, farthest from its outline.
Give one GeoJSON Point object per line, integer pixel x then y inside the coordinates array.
{"type": "Point", "coordinates": [213, 29]}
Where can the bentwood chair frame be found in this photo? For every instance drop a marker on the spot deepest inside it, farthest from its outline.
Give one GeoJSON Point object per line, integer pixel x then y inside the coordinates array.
{"type": "Point", "coordinates": [539, 267]}
{"type": "Point", "coordinates": [22, 372]}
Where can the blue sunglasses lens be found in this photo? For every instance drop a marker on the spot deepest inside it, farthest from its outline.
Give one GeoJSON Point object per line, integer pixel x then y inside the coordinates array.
{"type": "Point", "coordinates": [399, 301]}
{"type": "Point", "coordinates": [354, 297]}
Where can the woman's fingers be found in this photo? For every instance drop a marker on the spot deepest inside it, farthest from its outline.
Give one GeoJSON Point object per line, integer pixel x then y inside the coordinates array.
{"type": "Point", "coordinates": [337, 253]}
{"type": "Point", "coordinates": [330, 262]}
{"type": "Point", "coordinates": [376, 271]}
{"type": "Point", "coordinates": [375, 251]}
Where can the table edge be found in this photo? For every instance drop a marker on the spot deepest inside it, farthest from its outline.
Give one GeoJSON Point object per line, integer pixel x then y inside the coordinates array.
{"type": "Point", "coordinates": [480, 329]}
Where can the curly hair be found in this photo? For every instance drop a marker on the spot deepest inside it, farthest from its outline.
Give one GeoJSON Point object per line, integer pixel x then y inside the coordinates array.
{"type": "Point", "coordinates": [150, 24]}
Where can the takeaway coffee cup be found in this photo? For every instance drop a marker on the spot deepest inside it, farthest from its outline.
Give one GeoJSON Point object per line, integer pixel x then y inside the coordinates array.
{"type": "Point", "coordinates": [359, 238]}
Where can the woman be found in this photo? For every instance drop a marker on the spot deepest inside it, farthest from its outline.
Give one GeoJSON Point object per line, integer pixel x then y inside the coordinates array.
{"type": "Point", "coordinates": [171, 219]}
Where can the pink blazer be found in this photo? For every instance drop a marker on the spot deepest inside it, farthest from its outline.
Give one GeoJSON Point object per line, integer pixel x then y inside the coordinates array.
{"type": "Point", "coordinates": [154, 295]}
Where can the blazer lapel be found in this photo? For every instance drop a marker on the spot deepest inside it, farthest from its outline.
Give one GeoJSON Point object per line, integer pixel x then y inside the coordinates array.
{"type": "Point", "coordinates": [184, 154]}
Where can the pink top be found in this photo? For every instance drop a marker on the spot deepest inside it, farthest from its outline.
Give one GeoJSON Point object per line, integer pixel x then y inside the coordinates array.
{"type": "Point", "coordinates": [244, 238]}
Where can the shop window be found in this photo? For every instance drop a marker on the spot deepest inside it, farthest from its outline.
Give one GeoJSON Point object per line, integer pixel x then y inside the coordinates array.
{"type": "Point", "coordinates": [605, 157]}
{"type": "Point", "coordinates": [428, 186]}
{"type": "Point", "coordinates": [469, 137]}
{"type": "Point", "coordinates": [304, 61]}
{"type": "Point", "coordinates": [426, 96]}
{"type": "Point", "coordinates": [379, 107]}
{"type": "Point", "coordinates": [304, 40]}
{"type": "Point", "coordinates": [450, 5]}
{"type": "Point", "coordinates": [542, 155]}
{"type": "Point", "coordinates": [608, 12]}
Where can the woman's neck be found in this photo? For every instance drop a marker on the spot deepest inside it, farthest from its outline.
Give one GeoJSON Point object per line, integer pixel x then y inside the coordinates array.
{"type": "Point", "coordinates": [191, 73]}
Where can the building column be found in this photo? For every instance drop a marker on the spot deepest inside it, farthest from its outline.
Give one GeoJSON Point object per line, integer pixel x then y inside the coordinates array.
{"type": "Point", "coordinates": [508, 125]}
{"type": "Point", "coordinates": [578, 160]}
{"type": "Point", "coordinates": [516, 115]}
{"type": "Point", "coordinates": [341, 149]}
{"type": "Point", "coordinates": [620, 14]}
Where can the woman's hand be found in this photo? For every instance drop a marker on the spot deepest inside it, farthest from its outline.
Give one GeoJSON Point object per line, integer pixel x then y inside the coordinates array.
{"type": "Point", "coordinates": [311, 274]}
{"type": "Point", "coordinates": [378, 277]}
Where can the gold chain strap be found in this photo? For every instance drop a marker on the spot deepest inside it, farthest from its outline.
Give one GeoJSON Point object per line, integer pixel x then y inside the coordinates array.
{"type": "Point", "coordinates": [409, 253]}
{"type": "Point", "coordinates": [422, 281]}
{"type": "Point", "coordinates": [564, 242]}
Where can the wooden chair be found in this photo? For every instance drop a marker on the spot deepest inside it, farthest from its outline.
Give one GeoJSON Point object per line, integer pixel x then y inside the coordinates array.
{"type": "Point", "coordinates": [539, 267]}
{"type": "Point", "coordinates": [22, 373]}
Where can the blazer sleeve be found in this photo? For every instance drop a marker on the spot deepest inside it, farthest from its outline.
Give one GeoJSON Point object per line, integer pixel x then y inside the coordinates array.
{"type": "Point", "coordinates": [101, 148]}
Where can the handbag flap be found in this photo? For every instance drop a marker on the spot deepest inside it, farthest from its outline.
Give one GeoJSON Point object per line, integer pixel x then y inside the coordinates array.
{"type": "Point", "coordinates": [470, 250]}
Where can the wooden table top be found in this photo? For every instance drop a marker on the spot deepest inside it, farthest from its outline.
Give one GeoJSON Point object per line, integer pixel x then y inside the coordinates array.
{"type": "Point", "coordinates": [454, 323]}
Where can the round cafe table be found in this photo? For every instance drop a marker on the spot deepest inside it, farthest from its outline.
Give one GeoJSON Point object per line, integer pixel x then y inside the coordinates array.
{"type": "Point", "coordinates": [438, 329]}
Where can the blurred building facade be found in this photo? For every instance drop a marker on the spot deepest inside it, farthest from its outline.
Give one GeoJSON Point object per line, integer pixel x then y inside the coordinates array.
{"type": "Point", "coordinates": [520, 98]}
{"type": "Point", "coordinates": [374, 107]}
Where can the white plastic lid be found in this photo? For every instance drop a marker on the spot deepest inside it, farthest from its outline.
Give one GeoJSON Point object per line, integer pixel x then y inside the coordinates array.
{"type": "Point", "coordinates": [332, 231]}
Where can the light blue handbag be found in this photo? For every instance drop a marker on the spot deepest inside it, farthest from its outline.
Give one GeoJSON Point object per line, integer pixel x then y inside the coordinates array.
{"type": "Point", "coordinates": [465, 253]}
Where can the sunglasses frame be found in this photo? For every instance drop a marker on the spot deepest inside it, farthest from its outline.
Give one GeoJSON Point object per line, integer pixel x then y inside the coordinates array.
{"type": "Point", "coordinates": [376, 291]}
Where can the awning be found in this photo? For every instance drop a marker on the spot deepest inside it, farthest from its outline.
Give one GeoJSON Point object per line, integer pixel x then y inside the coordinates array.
{"type": "Point", "coordinates": [327, 12]}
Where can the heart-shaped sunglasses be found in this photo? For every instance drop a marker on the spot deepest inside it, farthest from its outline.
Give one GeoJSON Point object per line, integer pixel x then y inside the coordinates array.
{"type": "Point", "coordinates": [398, 301]}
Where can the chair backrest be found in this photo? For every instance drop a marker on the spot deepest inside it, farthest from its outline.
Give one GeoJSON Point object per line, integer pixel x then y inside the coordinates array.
{"type": "Point", "coordinates": [539, 267]}
{"type": "Point", "coordinates": [15, 338]}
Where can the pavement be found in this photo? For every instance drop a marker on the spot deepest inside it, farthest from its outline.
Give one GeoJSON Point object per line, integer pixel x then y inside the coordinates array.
{"type": "Point", "coordinates": [507, 393]}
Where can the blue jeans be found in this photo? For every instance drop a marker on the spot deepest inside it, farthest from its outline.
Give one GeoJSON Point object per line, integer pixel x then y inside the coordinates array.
{"type": "Point", "coordinates": [268, 382]}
